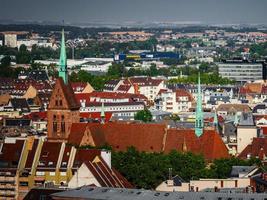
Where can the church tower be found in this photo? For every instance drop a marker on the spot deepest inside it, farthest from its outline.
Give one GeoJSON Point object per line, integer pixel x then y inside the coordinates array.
{"type": "Point", "coordinates": [63, 70]}
{"type": "Point", "coordinates": [63, 109]}
{"type": "Point", "coordinates": [199, 124]}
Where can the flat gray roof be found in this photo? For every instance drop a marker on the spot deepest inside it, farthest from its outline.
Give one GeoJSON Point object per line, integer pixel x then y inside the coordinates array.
{"type": "Point", "coordinates": [95, 193]}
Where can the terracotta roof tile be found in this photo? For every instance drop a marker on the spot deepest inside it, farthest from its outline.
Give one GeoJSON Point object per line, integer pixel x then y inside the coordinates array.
{"type": "Point", "coordinates": [257, 148]}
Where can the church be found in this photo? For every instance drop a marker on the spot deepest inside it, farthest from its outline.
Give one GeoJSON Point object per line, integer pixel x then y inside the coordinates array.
{"type": "Point", "coordinates": [63, 109]}
{"type": "Point", "coordinates": [64, 125]}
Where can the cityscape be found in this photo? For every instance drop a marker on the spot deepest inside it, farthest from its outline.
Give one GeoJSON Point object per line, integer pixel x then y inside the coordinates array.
{"type": "Point", "coordinates": [113, 101]}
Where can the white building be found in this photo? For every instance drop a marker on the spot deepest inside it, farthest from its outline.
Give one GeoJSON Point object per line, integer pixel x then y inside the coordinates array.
{"type": "Point", "coordinates": [241, 71]}
{"type": "Point", "coordinates": [174, 101]}
{"type": "Point", "coordinates": [10, 40]}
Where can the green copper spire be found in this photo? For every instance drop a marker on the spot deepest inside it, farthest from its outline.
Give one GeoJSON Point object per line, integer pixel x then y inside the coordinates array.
{"type": "Point", "coordinates": [63, 71]}
{"type": "Point", "coordinates": [199, 113]}
{"type": "Point", "coordinates": [102, 114]}
{"type": "Point", "coordinates": [215, 119]}
{"type": "Point", "coordinates": [236, 120]}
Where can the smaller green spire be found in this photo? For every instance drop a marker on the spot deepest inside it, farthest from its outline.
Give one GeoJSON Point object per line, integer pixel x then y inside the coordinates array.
{"type": "Point", "coordinates": [199, 124]}
{"type": "Point", "coordinates": [215, 119]}
{"type": "Point", "coordinates": [102, 114]}
{"type": "Point", "coordinates": [63, 70]}
{"type": "Point", "coordinates": [236, 120]}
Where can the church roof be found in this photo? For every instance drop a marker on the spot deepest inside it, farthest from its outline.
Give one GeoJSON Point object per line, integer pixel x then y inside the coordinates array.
{"type": "Point", "coordinates": [151, 138]}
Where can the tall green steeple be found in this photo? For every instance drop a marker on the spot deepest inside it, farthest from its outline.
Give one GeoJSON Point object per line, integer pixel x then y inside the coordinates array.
{"type": "Point", "coordinates": [63, 70]}
{"type": "Point", "coordinates": [199, 113]}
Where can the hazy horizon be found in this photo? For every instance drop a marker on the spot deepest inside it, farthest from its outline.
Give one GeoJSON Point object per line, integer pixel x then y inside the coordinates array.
{"type": "Point", "coordinates": [143, 11]}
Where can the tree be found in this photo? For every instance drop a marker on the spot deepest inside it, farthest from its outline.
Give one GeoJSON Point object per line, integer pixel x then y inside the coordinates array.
{"type": "Point", "coordinates": [23, 56]}
{"type": "Point", "coordinates": [143, 115]}
{"type": "Point", "coordinates": [5, 62]}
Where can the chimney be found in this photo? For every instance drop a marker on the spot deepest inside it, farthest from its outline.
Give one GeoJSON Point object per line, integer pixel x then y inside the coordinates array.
{"type": "Point", "coordinates": [106, 155]}
{"type": "Point", "coordinates": [170, 181]}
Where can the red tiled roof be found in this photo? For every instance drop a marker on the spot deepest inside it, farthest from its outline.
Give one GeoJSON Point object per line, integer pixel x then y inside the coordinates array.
{"type": "Point", "coordinates": [153, 138]}
{"type": "Point", "coordinates": [124, 88]}
{"type": "Point", "coordinates": [212, 146]}
{"type": "Point", "coordinates": [177, 138]}
{"type": "Point", "coordinates": [107, 177]}
{"type": "Point", "coordinates": [68, 94]}
{"type": "Point", "coordinates": [50, 153]}
{"type": "Point", "coordinates": [257, 148]}
{"type": "Point", "coordinates": [145, 81]}
{"type": "Point", "coordinates": [11, 153]}
{"type": "Point", "coordinates": [85, 155]}
{"type": "Point", "coordinates": [264, 130]}
{"type": "Point", "coordinates": [183, 93]}
{"type": "Point", "coordinates": [31, 154]}
{"type": "Point", "coordinates": [66, 156]}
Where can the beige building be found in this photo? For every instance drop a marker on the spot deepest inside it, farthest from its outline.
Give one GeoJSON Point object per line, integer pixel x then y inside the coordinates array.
{"type": "Point", "coordinates": [10, 40]}
{"type": "Point", "coordinates": [245, 135]}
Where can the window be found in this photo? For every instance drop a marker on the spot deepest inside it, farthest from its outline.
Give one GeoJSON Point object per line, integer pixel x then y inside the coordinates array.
{"type": "Point", "coordinates": [63, 124]}
{"type": "Point", "coordinates": [54, 126]}
{"type": "Point", "coordinates": [52, 173]}
{"type": "Point", "coordinates": [56, 102]}
{"type": "Point", "coordinates": [60, 102]}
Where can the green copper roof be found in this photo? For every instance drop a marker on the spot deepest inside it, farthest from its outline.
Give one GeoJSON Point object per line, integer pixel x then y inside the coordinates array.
{"type": "Point", "coordinates": [236, 120]}
{"type": "Point", "coordinates": [215, 119]}
{"type": "Point", "coordinates": [199, 113]}
{"type": "Point", "coordinates": [63, 71]}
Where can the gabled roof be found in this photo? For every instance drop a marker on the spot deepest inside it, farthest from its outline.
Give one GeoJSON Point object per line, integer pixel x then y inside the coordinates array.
{"type": "Point", "coordinates": [67, 93]}
{"type": "Point", "coordinates": [11, 154]}
{"type": "Point", "coordinates": [258, 148]}
{"type": "Point", "coordinates": [151, 138]}
{"type": "Point", "coordinates": [85, 155]}
{"type": "Point", "coordinates": [183, 93]}
{"type": "Point", "coordinates": [106, 176]}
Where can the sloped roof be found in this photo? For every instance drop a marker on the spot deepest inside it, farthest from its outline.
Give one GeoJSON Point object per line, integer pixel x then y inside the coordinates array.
{"type": "Point", "coordinates": [212, 146]}
{"type": "Point", "coordinates": [106, 176]}
{"type": "Point", "coordinates": [258, 147]}
{"type": "Point", "coordinates": [182, 93]}
{"type": "Point", "coordinates": [11, 153]}
{"type": "Point", "coordinates": [31, 154]}
{"type": "Point", "coordinates": [152, 138]}
{"type": "Point", "coordinates": [68, 94]}
{"type": "Point", "coordinates": [49, 154]}
{"type": "Point", "coordinates": [85, 155]}
{"type": "Point", "coordinates": [236, 107]}
{"type": "Point", "coordinates": [176, 139]}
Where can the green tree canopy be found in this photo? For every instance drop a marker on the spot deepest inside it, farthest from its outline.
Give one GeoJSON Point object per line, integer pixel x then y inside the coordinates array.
{"type": "Point", "coordinates": [143, 115]}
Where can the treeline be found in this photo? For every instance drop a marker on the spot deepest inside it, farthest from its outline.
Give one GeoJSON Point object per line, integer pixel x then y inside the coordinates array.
{"type": "Point", "coordinates": [148, 170]}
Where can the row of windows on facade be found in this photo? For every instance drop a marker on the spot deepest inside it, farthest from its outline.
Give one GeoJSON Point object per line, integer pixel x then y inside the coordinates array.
{"type": "Point", "coordinates": [113, 108]}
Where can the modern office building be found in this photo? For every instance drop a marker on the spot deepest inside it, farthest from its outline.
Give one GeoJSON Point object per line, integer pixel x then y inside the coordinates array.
{"type": "Point", "coordinates": [241, 71]}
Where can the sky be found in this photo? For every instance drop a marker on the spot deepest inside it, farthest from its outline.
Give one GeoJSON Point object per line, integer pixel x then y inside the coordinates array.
{"type": "Point", "coordinates": [121, 11]}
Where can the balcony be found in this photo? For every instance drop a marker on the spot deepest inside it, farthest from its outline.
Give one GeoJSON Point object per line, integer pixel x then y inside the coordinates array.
{"type": "Point", "coordinates": [7, 193]}
{"type": "Point", "coordinates": [7, 186]}
{"type": "Point", "coordinates": [8, 179]}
